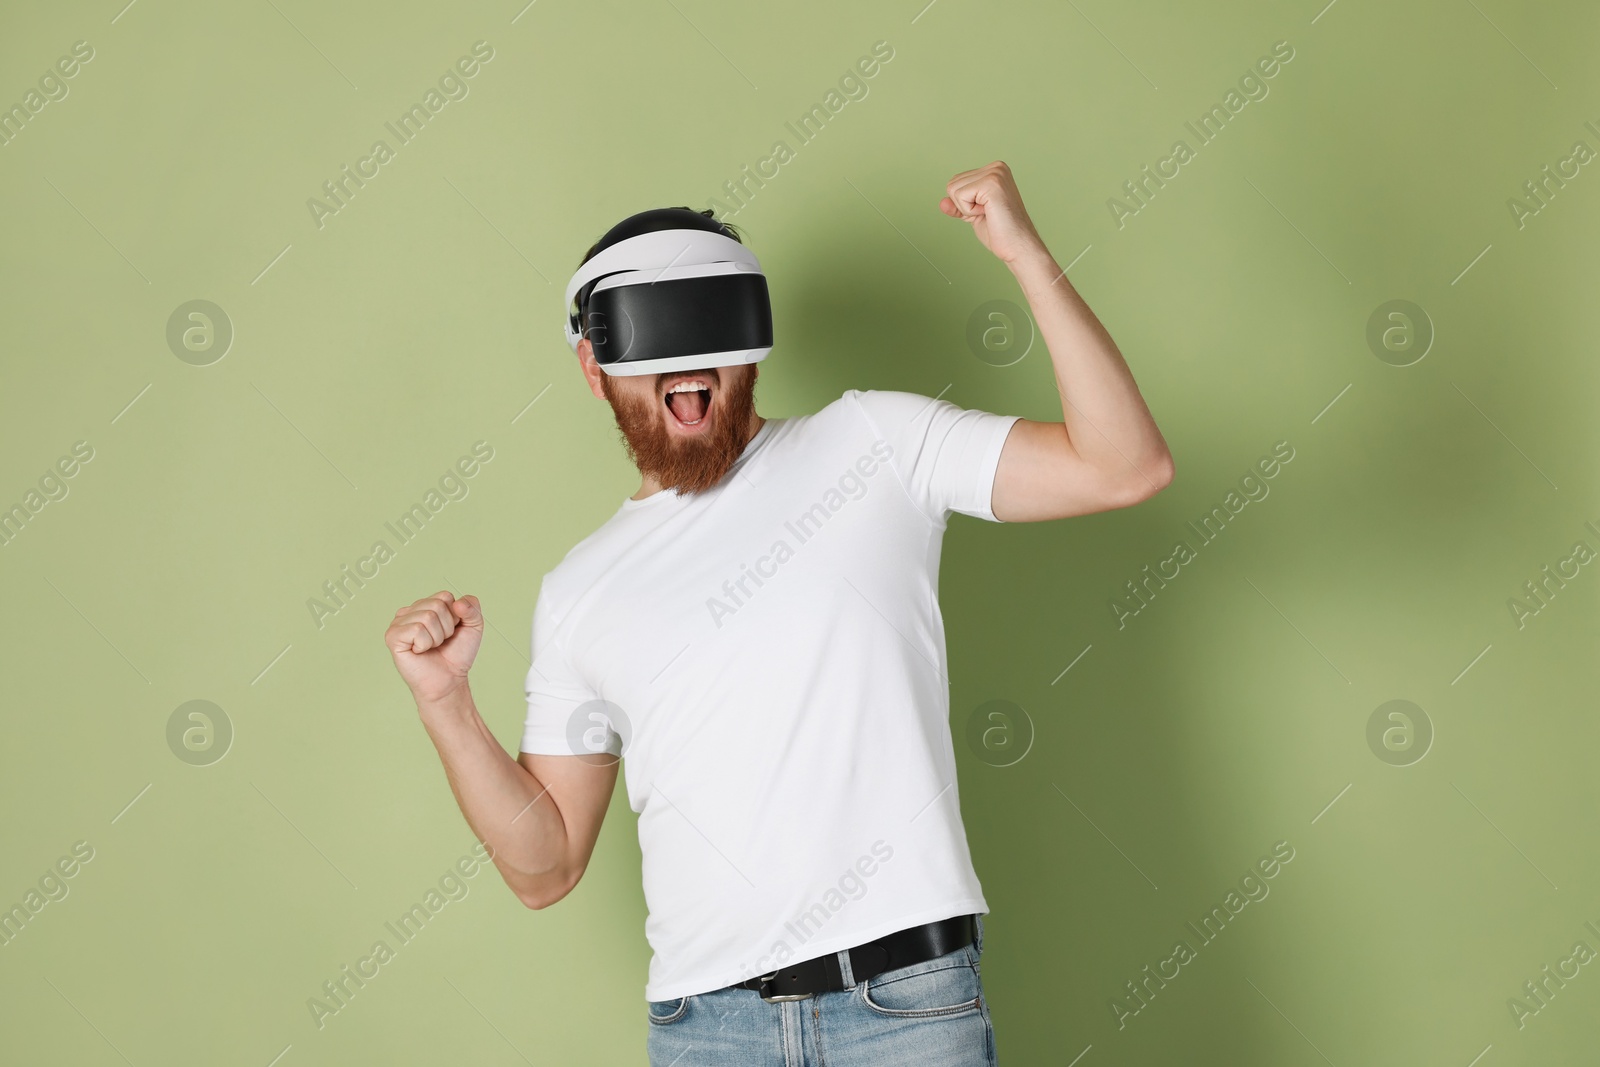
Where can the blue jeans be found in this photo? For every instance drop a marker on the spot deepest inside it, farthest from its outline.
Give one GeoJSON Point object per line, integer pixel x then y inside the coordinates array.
{"type": "Point", "coordinates": [930, 1014]}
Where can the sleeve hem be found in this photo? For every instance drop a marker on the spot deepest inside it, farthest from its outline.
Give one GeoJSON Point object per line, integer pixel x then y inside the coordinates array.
{"type": "Point", "coordinates": [545, 748]}
{"type": "Point", "coordinates": [991, 464]}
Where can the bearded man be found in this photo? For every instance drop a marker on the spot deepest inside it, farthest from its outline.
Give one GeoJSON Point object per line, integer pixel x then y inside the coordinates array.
{"type": "Point", "coordinates": [757, 630]}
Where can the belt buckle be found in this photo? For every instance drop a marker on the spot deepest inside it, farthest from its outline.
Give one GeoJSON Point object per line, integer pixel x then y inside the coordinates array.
{"type": "Point", "coordinates": [765, 978]}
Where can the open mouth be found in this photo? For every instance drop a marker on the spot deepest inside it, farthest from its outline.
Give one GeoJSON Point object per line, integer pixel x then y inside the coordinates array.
{"type": "Point", "coordinates": [688, 400]}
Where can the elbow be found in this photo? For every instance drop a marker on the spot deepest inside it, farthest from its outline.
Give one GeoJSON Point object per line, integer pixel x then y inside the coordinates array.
{"type": "Point", "coordinates": [1164, 471]}
{"type": "Point", "coordinates": [1154, 477]}
{"type": "Point", "coordinates": [538, 897]}
{"type": "Point", "coordinates": [539, 900]}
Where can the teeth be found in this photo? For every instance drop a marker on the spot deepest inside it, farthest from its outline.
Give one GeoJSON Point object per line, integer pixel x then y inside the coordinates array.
{"type": "Point", "coordinates": [688, 387]}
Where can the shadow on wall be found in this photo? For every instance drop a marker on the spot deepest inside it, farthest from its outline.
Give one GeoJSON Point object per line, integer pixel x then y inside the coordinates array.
{"type": "Point", "coordinates": [866, 315]}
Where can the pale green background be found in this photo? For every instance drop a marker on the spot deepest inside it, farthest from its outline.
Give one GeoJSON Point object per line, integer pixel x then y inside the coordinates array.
{"type": "Point", "coordinates": [424, 317]}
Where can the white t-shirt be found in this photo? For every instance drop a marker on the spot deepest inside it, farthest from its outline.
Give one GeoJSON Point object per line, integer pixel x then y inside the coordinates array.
{"type": "Point", "coordinates": [769, 659]}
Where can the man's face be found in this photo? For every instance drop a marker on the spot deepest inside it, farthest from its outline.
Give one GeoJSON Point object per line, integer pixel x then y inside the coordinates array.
{"type": "Point", "coordinates": [684, 428]}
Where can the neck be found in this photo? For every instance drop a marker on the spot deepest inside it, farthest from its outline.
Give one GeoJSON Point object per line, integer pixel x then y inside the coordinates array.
{"type": "Point", "coordinates": [648, 485]}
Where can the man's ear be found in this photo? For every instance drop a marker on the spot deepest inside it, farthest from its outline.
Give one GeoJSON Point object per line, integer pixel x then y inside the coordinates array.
{"type": "Point", "coordinates": [591, 368]}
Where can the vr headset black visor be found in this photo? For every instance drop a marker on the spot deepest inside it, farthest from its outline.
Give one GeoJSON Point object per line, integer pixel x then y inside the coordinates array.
{"type": "Point", "coordinates": [671, 300]}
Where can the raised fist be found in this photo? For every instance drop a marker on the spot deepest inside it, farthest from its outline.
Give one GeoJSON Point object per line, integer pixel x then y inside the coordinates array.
{"type": "Point", "coordinates": [988, 198]}
{"type": "Point", "coordinates": [434, 642]}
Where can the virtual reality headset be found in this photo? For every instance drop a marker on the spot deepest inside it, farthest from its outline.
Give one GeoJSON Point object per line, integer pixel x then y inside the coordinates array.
{"type": "Point", "coordinates": [671, 299]}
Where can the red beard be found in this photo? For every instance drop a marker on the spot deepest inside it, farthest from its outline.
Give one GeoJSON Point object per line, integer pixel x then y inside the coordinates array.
{"type": "Point", "coordinates": [687, 464]}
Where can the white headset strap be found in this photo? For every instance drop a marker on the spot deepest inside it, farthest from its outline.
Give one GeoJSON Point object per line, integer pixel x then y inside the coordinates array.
{"type": "Point", "coordinates": [661, 248]}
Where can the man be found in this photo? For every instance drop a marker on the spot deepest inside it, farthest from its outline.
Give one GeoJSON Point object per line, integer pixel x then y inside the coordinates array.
{"type": "Point", "coordinates": [757, 629]}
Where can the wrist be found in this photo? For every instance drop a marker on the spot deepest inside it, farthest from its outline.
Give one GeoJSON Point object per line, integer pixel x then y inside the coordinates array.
{"type": "Point", "coordinates": [1034, 258]}
{"type": "Point", "coordinates": [455, 703]}
{"type": "Point", "coordinates": [1036, 271]}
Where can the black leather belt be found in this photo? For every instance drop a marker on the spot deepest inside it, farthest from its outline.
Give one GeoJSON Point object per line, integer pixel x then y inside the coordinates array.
{"type": "Point", "coordinates": [890, 952]}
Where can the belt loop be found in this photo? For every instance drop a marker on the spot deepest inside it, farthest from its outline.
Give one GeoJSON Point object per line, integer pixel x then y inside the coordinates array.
{"type": "Point", "coordinates": [844, 970]}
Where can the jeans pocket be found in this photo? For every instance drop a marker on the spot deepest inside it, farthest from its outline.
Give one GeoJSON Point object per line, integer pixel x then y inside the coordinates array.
{"type": "Point", "coordinates": [663, 1012]}
{"type": "Point", "coordinates": [948, 985]}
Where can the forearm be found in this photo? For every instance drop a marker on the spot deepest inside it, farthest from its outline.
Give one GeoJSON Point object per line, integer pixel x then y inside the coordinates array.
{"type": "Point", "coordinates": [506, 806]}
{"type": "Point", "coordinates": [1106, 418]}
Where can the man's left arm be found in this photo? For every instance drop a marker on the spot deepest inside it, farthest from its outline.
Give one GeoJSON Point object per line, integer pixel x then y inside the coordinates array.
{"type": "Point", "coordinates": [1108, 452]}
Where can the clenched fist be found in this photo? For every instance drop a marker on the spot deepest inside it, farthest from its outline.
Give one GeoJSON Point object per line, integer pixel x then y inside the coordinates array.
{"type": "Point", "coordinates": [434, 642]}
{"type": "Point", "coordinates": [988, 198]}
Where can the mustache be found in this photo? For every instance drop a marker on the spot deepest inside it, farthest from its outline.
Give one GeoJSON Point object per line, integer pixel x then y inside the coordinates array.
{"type": "Point", "coordinates": [668, 380]}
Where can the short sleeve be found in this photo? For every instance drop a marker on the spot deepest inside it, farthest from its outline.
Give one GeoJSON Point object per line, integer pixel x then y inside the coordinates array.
{"type": "Point", "coordinates": [945, 456]}
{"type": "Point", "coordinates": [555, 691]}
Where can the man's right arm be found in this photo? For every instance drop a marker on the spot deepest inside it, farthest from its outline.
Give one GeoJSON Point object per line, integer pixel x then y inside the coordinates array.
{"type": "Point", "coordinates": [539, 815]}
